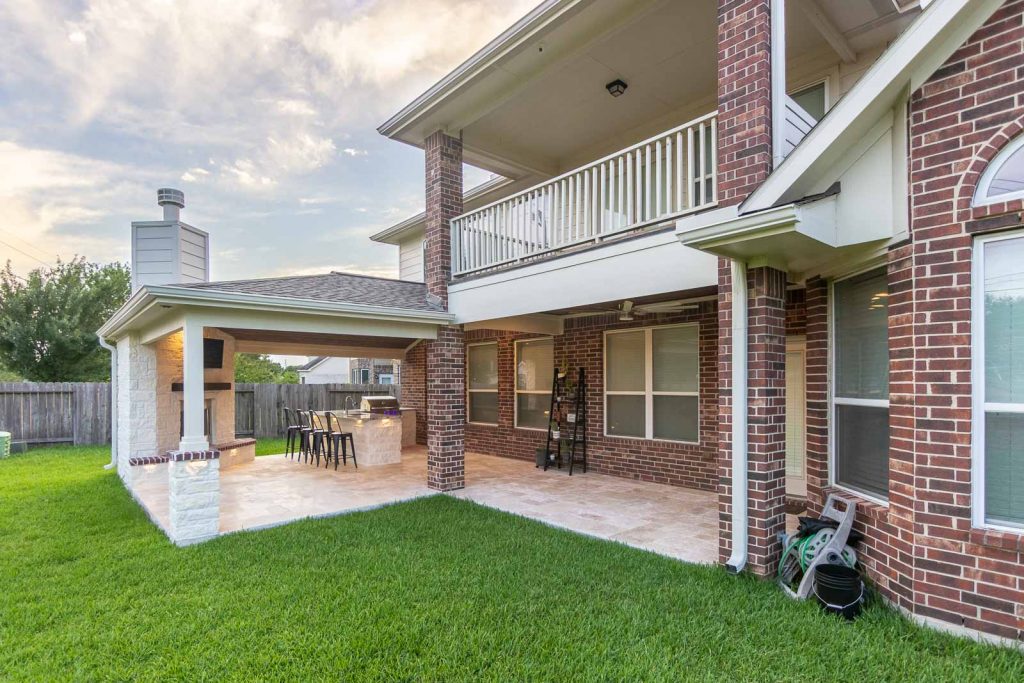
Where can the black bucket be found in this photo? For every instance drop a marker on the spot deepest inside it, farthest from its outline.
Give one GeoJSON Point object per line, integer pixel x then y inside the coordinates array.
{"type": "Point", "coordinates": [839, 589]}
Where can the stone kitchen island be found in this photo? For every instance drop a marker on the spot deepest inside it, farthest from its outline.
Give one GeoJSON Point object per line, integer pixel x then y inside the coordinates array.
{"type": "Point", "coordinates": [377, 437]}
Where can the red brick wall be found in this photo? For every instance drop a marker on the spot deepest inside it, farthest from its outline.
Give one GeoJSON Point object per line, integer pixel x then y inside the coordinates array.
{"type": "Point", "coordinates": [744, 97]}
{"type": "Point", "coordinates": [582, 344]}
{"type": "Point", "coordinates": [414, 388]}
{"type": "Point", "coordinates": [445, 356]}
{"type": "Point", "coordinates": [766, 417]}
{"type": "Point", "coordinates": [921, 550]}
{"type": "Point", "coordinates": [960, 118]}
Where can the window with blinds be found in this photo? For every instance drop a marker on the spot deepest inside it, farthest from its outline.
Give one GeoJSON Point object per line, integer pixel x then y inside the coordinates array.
{"type": "Point", "coordinates": [482, 383]}
{"type": "Point", "coordinates": [999, 381]}
{"type": "Point", "coordinates": [652, 383]}
{"type": "Point", "coordinates": [535, 368]}
{"type": "Point", "coordinates": [860, 401]}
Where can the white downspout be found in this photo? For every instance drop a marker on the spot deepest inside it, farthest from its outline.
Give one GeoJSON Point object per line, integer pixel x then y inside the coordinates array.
{"type": "Point", "coordinates": [738, 560]}
{"type": "Point", "coordinates": [113, 403]}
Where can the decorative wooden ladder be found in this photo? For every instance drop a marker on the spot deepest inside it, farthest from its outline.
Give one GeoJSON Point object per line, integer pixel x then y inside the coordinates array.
{"type": "Point", "coordinates": [567, 423]}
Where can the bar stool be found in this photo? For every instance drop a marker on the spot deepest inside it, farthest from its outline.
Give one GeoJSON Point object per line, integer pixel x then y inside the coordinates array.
{"type": "Point", "coordinates": [318, 436]}
{"type": "Point", "coordinates": [336, 438]}
{"type": "Point", "coordinates": [305, 430]}
{"type": "Point", "coordinates": [293, 431]}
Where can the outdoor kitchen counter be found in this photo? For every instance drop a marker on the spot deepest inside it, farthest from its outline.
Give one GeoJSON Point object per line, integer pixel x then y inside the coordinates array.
{"type": "Point", "coordinates": [378, 438]}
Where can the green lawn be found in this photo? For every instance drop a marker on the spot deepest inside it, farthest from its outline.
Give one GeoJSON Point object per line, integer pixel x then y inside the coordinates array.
{"type": "Point", "coordinates": [270, 446]}
{"type": "Point", "coordinates": [434, 589]}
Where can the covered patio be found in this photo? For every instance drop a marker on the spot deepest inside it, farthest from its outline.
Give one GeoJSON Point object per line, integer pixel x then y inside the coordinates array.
{"type": "Point", "coordinates": [274, 490]}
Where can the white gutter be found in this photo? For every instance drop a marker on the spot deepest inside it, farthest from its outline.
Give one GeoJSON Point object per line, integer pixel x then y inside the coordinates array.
{"type": "Point", "coordinates": [113, 403]}
{"type": "Point", "coordinates": [738, 560]}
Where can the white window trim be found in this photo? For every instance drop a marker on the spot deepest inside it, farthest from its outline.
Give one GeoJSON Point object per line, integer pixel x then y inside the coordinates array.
{"type": "Point", "coordinates": [825, 80]}
{"type": "Point", "coordinates": [517, 390]}
{"type": "Point", "coordinates": [649, 393]}
{"type": "Point", "coordinates": [981, 197]}
{"type": "Point", "coordinates": [479, 391]}
{"type": "Point", "coordinates": [978, 405]}
{"type": "Point", "coordinates": [834, 400]}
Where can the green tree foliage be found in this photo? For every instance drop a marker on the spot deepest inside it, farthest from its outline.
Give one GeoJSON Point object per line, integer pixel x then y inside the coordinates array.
{"type": "Point", "coordinates": [259, 368]}
{"type": "Point", "coordinates": [48, 321]}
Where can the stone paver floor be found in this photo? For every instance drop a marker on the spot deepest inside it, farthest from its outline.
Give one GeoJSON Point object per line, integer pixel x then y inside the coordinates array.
{"type": "Point", "coordinates": [677, 522]}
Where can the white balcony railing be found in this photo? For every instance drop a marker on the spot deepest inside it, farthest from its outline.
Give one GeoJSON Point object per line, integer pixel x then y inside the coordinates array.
{"type": "Point", "coordinates": [669, 175]}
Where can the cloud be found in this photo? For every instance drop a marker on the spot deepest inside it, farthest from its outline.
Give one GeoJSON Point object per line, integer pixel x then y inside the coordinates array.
{"type": "Point", "coordinates": [353, 152]}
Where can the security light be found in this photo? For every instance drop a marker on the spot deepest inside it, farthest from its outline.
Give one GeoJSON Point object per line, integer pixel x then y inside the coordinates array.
{"type": "Point", "coordinates": [616, 87]}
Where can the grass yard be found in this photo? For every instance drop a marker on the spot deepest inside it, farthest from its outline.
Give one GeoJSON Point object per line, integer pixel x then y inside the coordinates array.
{"type": "Point", "coordinates": [434, 589]}
{"type": "Point", "coordinates": [270, 446]}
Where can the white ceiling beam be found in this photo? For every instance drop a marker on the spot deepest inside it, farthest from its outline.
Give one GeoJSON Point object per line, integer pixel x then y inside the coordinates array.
{"type": "Point", "coordinates": [832, 35]}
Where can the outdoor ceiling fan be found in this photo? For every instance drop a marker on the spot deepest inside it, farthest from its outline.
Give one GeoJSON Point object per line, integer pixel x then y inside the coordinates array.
{"type": "Point", "coordinates": [627, 309]}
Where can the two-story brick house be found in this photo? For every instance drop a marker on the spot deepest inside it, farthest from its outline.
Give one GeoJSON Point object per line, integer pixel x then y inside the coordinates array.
{"type": "Point", "coordinates": [781, 240]}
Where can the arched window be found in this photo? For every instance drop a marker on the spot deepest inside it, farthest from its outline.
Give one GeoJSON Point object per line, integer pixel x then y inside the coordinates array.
{"type": "Point", "coordinates": [1003, 180]}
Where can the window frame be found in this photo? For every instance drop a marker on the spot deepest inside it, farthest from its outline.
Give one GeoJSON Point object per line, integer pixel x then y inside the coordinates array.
{"type": "Point", "coordinates": [981, 193]}
{"type": "Point", "coordinates": [834, 401]}
{"type": "Point", "coordinates": [824, 81]}
{"type": "Point", "coordinates": [979, 406]}
{"type": "Point", "coordinates": [480, 391]}
{"type": "Point", "coordinates": [648, 393]}
{"type": "Point", "coordinates": [515, 381]}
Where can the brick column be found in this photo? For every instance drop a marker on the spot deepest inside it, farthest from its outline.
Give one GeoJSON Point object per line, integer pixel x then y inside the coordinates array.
{"type": "Point", "coordinates": [766, 416]}
{"type": "Point", "coordinates": [817, 392]}
{"type": "Point", "coordinates": [744, 98]}
{"type": "Point", "coordinates": [446, 356]}
{"type": "Point", "coordinates": [724, 410]}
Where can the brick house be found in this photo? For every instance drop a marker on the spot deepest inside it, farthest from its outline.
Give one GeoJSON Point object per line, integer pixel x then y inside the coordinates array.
{"type": "Point", "coordinates": [861, 171]}
{"type": "Point", "coordinates": [781, 240]}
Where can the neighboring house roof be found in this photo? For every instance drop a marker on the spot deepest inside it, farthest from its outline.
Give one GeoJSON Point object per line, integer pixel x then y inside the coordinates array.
{"type": "Point", "coordinates": [311, 363]}
{"type": "Point", "coordinates": [334, 287]}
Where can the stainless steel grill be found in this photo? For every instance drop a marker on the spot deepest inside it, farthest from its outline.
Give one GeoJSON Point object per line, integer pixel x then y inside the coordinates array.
{"type": "Point", "coordinates": [380, 404]}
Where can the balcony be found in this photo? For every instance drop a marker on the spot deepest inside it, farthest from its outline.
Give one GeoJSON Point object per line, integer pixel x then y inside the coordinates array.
{"type": "Point", "coordinates": [653, 182]}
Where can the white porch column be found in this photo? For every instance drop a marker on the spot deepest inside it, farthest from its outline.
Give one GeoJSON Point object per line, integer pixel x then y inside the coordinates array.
{"type": "Point", "coordinates": [194, 436]}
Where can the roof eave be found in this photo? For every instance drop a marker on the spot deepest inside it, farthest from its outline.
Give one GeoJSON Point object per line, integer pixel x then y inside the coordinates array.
{"type": "Point", "coordinates": [511, 38]}
{"type": "Point", "coordinates": [151, 295]}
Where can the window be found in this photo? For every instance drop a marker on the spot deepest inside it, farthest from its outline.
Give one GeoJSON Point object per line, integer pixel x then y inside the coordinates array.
{"type": "Point", "coordinates": [652, 383]}
{"type": "Point", "coordinates": [535, 367]}
{"type": "Point", "coordinates": [363, 375]}
{"type": "Point", "coordinates": [1003, 180]}
{"type": "Point", "coordinates": [482, 383]}
{"type": "Point", "coordinates": [385, 379]}
{"type": "Point", "coordinates": [812, 100]}
{"type": "Point", "coordinates": [998, 374]}
{"type": "Point", "coordinates": [860, 401]}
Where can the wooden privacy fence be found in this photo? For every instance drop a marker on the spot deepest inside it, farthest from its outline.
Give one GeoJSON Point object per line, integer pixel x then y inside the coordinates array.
{"type": "Point", "coordinates": [258, 406]}
{"type": "Point", "coordinates": [56, 412]}
{"type": "Point", "coordinates": [79, 412]}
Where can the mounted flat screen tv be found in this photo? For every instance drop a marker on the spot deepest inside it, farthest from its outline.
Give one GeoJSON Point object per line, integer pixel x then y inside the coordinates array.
{"type": "Point", "coordinates": [213, 353]}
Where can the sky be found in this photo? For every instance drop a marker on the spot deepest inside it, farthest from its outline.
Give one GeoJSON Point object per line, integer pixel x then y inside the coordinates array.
{"type": "Point", "coordinates": [264, 112]}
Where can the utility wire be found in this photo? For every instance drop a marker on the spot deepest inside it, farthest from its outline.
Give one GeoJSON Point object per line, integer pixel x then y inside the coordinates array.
{"type": "Point", "coordinates": [25, 253]}
{"type": "Point", "coordinates": [24, 242]}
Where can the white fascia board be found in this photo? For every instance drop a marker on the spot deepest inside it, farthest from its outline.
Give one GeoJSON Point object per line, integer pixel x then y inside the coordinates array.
{"type": "Point", "coordinates": [816, 220]}
{"type": "Point", "coordinates": [537, 324]}
{"type": "Point", "coordinates": [544, 15]}
{"type": "Point", "coordinates": [911, 59]}
{"type": "Point", "coordinates": [148, 297]}
{"type": "Point", "coordinates": [641, 266]}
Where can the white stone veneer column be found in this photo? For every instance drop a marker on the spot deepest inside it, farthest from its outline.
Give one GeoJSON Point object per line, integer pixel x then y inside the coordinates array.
{"type": "Point", "coordinates": [194, 483]}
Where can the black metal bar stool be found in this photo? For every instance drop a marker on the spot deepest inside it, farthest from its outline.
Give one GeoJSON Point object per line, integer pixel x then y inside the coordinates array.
{"type": "Point", "coordinates": [293, 432]}
{"type": "Point", "coordinates": [321, 446]}
{"type": "Point", "coordinates": [338, 440]}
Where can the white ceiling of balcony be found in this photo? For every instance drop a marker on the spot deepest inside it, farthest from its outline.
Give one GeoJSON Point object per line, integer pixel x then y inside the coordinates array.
{"type": "Point", "coordinates": [543, 109]}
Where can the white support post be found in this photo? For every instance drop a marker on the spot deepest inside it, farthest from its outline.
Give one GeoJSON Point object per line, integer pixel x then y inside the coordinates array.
{"type": "Point", "coordinates": [194, 437]}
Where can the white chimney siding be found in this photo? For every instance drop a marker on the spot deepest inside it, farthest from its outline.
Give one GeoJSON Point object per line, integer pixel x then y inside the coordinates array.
{"type": "Point", "coordinates": [169, 252]}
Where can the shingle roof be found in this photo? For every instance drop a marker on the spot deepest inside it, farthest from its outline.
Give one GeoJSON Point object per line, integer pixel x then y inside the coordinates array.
{"type": "Point", "coordinates": [334, 287]}
{"type": "Point", "coordinates": [312, 363]}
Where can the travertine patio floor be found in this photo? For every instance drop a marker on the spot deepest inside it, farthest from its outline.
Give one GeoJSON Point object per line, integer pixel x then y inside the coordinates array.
{"type": "Point", "coordinates": [272, 490]}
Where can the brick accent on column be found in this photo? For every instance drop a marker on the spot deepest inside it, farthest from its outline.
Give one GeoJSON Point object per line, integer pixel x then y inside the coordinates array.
{"type": "Point", "coordinates": [816, 374]}
{"type": "Point", "coordinates": [724, 410]}
{"type": "Point", "coordinates": [766, 417]}
{"type": "Point", "coordinates": [744, 98]}
{"type": "Point", "coordinates": [445, 356]}
{"type": "Point", "coordinates": [414, 388]}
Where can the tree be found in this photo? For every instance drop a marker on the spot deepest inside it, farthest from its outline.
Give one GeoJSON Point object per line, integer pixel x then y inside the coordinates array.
{"type": "Point", "coordinates": [259, 368]}
{"type": "Point", "coordinates": [48, 321]}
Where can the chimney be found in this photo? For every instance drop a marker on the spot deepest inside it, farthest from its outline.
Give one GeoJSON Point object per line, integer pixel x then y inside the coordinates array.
{"type": "Point", "coordinates": [173, 202]}
{"type": "Point", "coordinates": [169, 252]}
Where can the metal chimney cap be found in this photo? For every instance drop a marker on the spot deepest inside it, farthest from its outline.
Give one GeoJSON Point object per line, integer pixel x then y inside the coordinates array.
{"type": "Point", "coordinates": [168, 195]}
